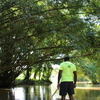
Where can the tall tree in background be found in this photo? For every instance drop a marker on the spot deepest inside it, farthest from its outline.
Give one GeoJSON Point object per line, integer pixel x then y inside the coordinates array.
{"type": "Point", "coordinates": [35, 31]}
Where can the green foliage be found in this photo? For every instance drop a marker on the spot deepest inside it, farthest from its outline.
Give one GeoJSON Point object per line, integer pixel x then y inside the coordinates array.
{"type": "Point", "coordinates": [89, 71]}
{"type": "Point", "coordinates": [33, 32]}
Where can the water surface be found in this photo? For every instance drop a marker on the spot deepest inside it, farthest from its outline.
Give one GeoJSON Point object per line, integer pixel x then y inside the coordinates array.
{"type": "Point", "coordinates": [83, 91]}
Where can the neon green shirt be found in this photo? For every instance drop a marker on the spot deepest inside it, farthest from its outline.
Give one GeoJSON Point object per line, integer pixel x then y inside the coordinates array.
{"type": "Point", "coordinates": [67, 71]}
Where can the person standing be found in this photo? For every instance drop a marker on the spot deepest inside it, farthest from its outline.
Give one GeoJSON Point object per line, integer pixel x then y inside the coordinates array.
{"type": "Point", "coordinates": [68, 76]}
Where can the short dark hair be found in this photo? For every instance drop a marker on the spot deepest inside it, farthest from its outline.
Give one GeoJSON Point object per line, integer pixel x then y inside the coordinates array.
{"type": "Point", "coordinates": [66, 58]}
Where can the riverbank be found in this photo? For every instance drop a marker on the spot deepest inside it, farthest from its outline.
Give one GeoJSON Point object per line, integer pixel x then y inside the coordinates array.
{"type": "Point", "coordinates": [32, 82]}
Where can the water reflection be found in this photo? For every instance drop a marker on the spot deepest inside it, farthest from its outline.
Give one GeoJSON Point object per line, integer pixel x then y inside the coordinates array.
{"type": "Point", "coordinates": [6, 94]}
{"type": "Point", "coordinates": [44, 93]}
{"type": "Point", "coordinates": [87, 94]}
{"type": "Point", "coordinates": [32, 93]}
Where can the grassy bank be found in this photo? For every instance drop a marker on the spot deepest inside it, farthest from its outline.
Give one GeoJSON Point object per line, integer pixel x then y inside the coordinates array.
{"type": "Point", "coordinates": [32, 82]}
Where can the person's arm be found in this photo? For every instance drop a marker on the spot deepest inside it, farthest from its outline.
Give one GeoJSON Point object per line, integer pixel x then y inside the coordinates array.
{"type": "Point", "coordinates": [59, 77]}
{"type": "Point", "coordinates": [75, 78]}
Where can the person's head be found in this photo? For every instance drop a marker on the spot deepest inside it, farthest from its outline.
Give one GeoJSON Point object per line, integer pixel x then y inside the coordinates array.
{"type": "Point", "coordinates": [66, 58]}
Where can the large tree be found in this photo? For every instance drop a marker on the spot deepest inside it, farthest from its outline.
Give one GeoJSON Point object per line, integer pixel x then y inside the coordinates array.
{"type": "Point", "coordinates": [37, 31]}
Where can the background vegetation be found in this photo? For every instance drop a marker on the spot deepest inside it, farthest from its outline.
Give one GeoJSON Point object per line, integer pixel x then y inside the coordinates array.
{"type": "Point", "coordinates": [37, 33]}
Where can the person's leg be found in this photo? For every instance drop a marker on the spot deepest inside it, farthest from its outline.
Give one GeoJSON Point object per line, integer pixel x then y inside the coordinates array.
{"type": "Point", "coordinates": [63, 90]}
{"type": "Point", "coordinates": [71, 97]}
{"type": "Point", "coordinates": [63, 97]}
{"type": "Point", "coordinates": [71, 91]}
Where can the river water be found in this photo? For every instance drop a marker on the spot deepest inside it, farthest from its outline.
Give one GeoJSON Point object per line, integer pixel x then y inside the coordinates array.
{"type": "Point", "coordinates": [83, 91]}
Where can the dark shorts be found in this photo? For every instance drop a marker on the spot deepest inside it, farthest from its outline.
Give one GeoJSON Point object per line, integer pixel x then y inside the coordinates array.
{"type": "Point", "coordinates": [66, 87]}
